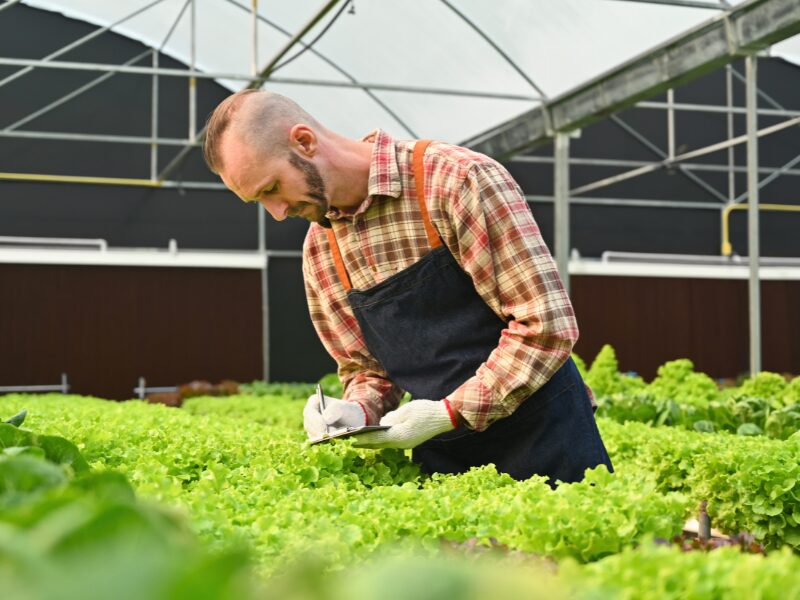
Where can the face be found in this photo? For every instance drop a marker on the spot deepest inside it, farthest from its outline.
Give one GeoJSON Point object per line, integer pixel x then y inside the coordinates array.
{"type": "Point", "coordinates": [285, 187]}
{"type": "Point", "coordinates": [315, 210]}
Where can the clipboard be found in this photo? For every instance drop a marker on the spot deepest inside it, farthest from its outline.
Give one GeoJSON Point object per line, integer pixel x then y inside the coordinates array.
{"type": "Point", "coordinates": [344, 432]}
{"type": "Point", "coordinates": [347, 432]}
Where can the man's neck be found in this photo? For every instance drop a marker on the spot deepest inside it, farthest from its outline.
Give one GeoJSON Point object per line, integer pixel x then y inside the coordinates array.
{"type": "Point", "coordinates": [348, 177]}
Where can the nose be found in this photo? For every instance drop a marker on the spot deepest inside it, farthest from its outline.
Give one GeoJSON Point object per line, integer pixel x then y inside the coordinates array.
{"type": "Point", "coordinates": [277, 208]}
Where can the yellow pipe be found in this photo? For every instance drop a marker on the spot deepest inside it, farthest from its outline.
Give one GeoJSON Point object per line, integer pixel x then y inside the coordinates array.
{"type": "Point", "coordinates": [80, 179]}
{"type": "Point", "coordinates": [727, 249]}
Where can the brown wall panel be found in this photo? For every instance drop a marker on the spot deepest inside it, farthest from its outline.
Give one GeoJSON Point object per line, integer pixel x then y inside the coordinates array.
{"type": "Point", "coordinates": [651, 320]}
{"type": "Point", "coordinates": [106, 326]}
{"type": "Point", "coordinates": [781, 326]}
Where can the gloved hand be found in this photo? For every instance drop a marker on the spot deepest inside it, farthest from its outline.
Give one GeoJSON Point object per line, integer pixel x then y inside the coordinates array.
{"type": "Point", "coordinates": [411, 424]}
{"type": "Point", "coordinates": [338, 414]}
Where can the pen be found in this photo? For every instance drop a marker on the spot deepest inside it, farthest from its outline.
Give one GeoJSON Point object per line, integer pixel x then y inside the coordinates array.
{"type": "Point", "coordinates": [321, 398]}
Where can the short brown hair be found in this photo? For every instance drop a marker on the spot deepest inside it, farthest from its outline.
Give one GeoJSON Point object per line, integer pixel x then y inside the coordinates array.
{"type": "Point", "coordinates": [264, 123]}
{"type": "Point", "coordinates": [217, 124]}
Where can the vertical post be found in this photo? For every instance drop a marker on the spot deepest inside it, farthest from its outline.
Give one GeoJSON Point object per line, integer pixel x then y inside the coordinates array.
{"type": "Point", "coordinates": [703, 522]}
{"type": "Point", "coordinates": [561, 193]}
{"type": "Point", "coordinates": [140, 391]}
{"type": "Point", "coordinates": [752, 215]}
{"type": "Point", "coordinates": [731, 162]}
{"type": "Point", "coordinates": [64, 383]}
{"type": "Point", "coordinates": [192, 79]}
{"type": "Point", "coordinates": [262, 248]}
{"type": "Point", "coordinates": [262, 235]}
{"type": "Point", "coordinates": [154, 120]}
{"type": "Point", "coordinates": [255, 38]}
{"type": "Point", "coordinates": [265, 314]}
{"type": "Point", "coordinates": [671, 123]}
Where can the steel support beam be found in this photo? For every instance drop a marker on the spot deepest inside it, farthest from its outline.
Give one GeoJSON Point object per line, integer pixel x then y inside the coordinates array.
{"type": "Point", "coordinates": [787, 168]}
{"type": "Point", "coordinates": [380, 87]}
{"type": "Point", "coordinates": [614, 162]}
{"type": "Point", "coordinates": [496, 48]}
{"type": "Point", "coordinates": [93, 137]}
{"type": "Point", "coordinates": [262, 232]}
{"type": "Point", "coordinates": [265, 328]}
{"type": "Point", "coordinates": [154, 119]}
{"type": "Point", "coordinates": [192, 79]}
{"type": "Point", "coordinates": [629, 202]}
{"type": "Point", "coordinates": [729, 124]}
{"type": "Point", "coordinates": [265, 73]}
{"type": "Point", "coordinates": [687, 155]}
{"type": "Point", "coordinates": [686, 3]}
{"type": "Point", "coordinates": [8, 4]}
{"type": "Point", "coordinates": [710, 108]}
{"type": "Point", "coordinates": [561, 213]}
{"type": "Point", "coordinates": [616, 119]}
{"type": "Point", "coordinates": [746, 28]}
{"type": "Point", "coordinates": [97, 81]}
{"type": "Point", "coordinates": [333, 64]}
{"type": "Point", "coordinates": [671, 123]}
{"type": "Point", "coordinates": [253, 84]}
{"type": "Point", "coordinates": [254, 31]}
{"type": "Point", "coordinates": [753, 249]}
{"type": "Point", "coordinates": [79, 42]}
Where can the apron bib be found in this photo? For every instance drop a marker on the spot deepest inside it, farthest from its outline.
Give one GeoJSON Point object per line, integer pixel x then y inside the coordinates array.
{"type": "Point", "coordinates": [430, 330]}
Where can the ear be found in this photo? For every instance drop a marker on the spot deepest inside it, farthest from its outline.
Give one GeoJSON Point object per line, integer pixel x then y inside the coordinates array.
{"type": "Point", "coordinates": [303, 140]}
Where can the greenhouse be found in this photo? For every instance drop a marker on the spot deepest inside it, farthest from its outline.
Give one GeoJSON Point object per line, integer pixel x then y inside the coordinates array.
{"type": "Point", "coordinates": [535, 333]}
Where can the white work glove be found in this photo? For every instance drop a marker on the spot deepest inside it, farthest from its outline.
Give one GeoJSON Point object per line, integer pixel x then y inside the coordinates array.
{"type": "Point", "coordinates": [338, 414]}
{"type": "Point", "coordinates": [411, 424]}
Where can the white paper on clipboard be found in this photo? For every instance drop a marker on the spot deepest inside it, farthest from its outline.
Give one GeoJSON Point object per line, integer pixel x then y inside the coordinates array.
{"type": "Point", "coordinates": [347, 432]}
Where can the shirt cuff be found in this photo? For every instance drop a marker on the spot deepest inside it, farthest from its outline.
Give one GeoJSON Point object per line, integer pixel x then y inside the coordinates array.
{"type": "Point", "coordinates": [477, 404]}
{"type": "Point", "coordinates": [451, 413]}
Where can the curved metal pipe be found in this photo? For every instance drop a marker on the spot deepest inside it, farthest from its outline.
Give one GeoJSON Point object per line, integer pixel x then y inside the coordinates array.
{"type": "Point", "coordinates": [727, 249]}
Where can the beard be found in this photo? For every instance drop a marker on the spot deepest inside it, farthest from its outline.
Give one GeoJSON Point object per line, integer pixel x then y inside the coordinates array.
{"type": "Point", "coordinates": [316, 191]}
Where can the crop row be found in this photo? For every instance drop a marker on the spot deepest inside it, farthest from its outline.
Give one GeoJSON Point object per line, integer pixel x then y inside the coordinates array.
{"type": "Point", "coordinates": [240, 471]}
{"type": "Point", "coordinates": [766, 404]}
{"type": "Point", "coordinates": [751, 483]}
{"type": "Point", "coordinates": [239, 479]}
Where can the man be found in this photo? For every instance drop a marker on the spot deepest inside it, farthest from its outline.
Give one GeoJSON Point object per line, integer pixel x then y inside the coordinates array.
{"type": "Point", "coordinates": [426, 272]}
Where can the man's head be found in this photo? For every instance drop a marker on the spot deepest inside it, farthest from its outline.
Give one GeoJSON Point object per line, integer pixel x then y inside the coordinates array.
{"type": "Point", "coordinates": [263, 146]}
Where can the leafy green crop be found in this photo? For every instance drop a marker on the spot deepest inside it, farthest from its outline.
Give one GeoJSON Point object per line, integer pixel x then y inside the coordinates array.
{"type": "Point", "coordinates": [69, 532]}
{"type": "Point", "coordinates": [750, 483]}
{"type": "Point", "coordinates": [679, 396]}
{"type": "Point", "coordinates": [766, 385]}
{"type": "Point", "coordinates": [660, 573]}
{"type": "Point", "coordinates": [239, 468]}
{"type": "Point", "coordinates": [297, 391]}
{"type": "Point", "coordinates": [604, 377]}
{"type": "Point", "coordinates": [248, 476]}
{"type": "Point", "coordinates": [678, 381]}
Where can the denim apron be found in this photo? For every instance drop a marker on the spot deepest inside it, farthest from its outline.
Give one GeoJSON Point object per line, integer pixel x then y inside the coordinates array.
{"type": "Point", "coordinates": [430, 330]}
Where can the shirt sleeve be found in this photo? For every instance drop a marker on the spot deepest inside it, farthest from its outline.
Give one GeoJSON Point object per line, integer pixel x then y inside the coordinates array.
{"type": "Point", "coordinates": [493, 235]}
{"type": "Point", "coordinates": [364, 381]}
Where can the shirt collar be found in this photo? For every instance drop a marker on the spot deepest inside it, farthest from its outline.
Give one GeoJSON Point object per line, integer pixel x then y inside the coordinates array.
{"type": "Point", "coordinates": [384, 174]}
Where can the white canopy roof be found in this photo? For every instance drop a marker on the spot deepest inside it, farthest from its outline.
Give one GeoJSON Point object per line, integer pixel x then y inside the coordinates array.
{"type": "Point", "coordinates": [558, 44]}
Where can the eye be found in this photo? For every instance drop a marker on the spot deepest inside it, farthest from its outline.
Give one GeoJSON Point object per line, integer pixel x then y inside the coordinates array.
{"type": "Point", "coordinates": [269, 189]}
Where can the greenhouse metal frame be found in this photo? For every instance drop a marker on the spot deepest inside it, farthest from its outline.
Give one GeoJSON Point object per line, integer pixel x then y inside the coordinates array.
{"type": "Point", "coordinates": [744, 30]}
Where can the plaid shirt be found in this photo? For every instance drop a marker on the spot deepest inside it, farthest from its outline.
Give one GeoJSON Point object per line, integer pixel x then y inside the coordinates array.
{"type": "Point", "coordinates": [484, 220]}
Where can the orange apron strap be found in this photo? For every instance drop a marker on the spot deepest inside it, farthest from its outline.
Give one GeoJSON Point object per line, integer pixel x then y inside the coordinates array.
{"type": "Point", "coordinates": [337, 259]}
{"type": "Point", "coordinates": [419, 181]}
{"type": "Point", "coordinates": [430, 231]}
